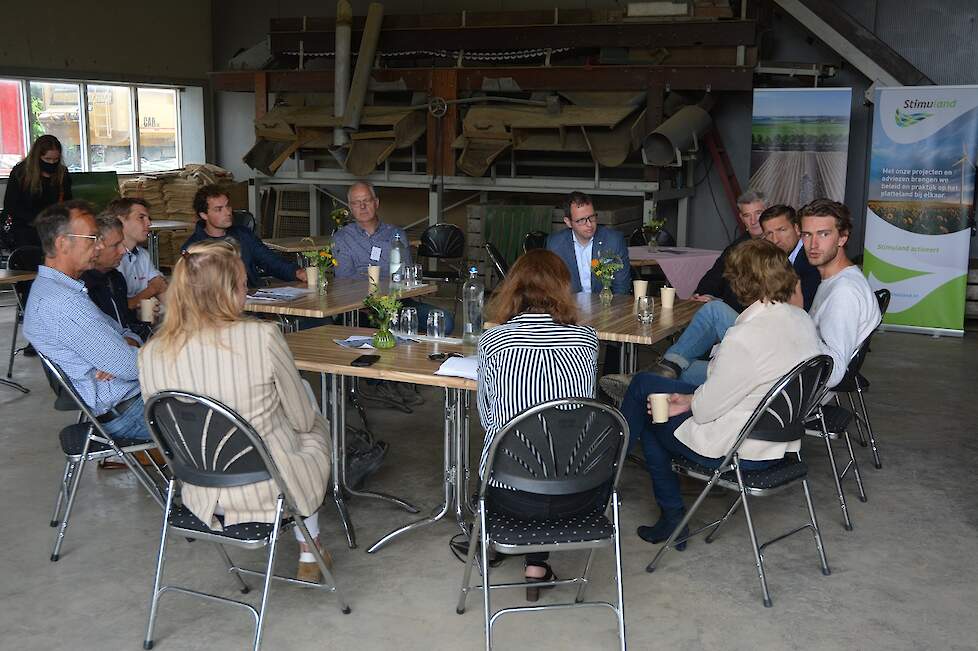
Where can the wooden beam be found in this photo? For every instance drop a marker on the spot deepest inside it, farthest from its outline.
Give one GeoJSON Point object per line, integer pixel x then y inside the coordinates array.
{"type": "Point", "coordinates": [261, 94]}
{"type": "Point", "coordinates": [442, 131]}
{"type": "Point", "coordinates": [717, 78]}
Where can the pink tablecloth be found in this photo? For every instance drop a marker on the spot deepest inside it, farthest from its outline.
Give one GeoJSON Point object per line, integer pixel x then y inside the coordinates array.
{"type": "Point", "coordinates": [682, 266]}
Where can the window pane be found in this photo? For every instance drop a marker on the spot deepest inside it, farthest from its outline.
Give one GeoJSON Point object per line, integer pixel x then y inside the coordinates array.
{"type": "Point", "coordinates": [109, 136]}
{"type": "Point", "coordinates": [157, 128]}
{"type": "Point", "coordinates": [55, 110]}
{"type": "Point", "coordinates": [11, 125]}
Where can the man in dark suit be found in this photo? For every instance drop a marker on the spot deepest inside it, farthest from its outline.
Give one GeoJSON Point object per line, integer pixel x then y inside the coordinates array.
{"type": "Point", "coordinates": [583, 241]}
{"type": "Point", "coordinates": [780, 226]}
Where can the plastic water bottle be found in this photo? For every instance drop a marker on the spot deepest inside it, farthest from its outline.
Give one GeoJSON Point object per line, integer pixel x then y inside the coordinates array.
{"type": "Point", "coordinates": [398, 255]}
{"type": "Point", "coordinates": [473, 294]}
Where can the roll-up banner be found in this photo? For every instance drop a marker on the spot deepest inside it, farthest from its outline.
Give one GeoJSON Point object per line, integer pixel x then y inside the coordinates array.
{"type": "Point", "coordinates": [800, 144]}
{"type": "Point", "coordinates": [921, 191]}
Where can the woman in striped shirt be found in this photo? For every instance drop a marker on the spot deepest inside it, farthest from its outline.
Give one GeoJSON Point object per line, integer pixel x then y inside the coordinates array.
{"type": "Point", "coordinates": [537, 354]}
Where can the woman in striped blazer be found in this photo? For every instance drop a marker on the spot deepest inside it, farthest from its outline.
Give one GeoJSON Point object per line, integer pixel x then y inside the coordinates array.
{"type": "Point", "coordinates": [207, 346]}
{"type": "Point", "coordinates": [538, 353]}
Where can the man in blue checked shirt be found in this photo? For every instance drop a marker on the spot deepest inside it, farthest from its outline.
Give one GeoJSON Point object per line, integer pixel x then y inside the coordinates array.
{"type": "Point", "coordinates": [96, 353]}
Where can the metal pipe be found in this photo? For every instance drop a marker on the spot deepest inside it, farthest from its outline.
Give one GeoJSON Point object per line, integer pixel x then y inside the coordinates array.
{"type": "Point", "coordinates": [678, 133]}
{"type": "Point", "coordinates": [341, 82]}
{"type": "Point", "coordinates": [365, 62]}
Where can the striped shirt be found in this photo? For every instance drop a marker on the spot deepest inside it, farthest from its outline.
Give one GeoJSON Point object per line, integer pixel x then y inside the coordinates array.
{"type": "Point", "coordinates": [530, 360]}
{"type": "Point", "coordinates": [64, 325]}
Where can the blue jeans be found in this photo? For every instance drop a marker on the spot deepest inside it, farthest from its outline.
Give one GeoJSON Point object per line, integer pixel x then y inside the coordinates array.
{"type": "Point", "coordinates": [659, 442]}
{"type": "Point", "coordinates": [707, 328]}
{"type": "Point", "coordinates": [130, 425]}
{"type": "Point", "coordinates": [424, 309]}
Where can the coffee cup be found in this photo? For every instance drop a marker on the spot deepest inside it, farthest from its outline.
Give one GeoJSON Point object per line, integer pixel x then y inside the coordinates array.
{"type": "Point", "coordinates": [660, 407]}
{"type": "Point", "coordinates": [667, 297]}
{"type": "Point", "coordinates": [640, 288]}
{"type": "Point", "coordinates": [312, 277]}
{"type": "Point", "coordinates": [147, 310]}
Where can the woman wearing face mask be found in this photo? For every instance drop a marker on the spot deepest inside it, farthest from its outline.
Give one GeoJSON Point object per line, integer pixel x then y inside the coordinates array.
{"type": "Point", "coordinates": [38, 181]}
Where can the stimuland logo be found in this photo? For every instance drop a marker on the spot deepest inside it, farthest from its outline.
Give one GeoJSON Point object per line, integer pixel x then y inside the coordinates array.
{"type": "Point", "coordinates": [913, 113]}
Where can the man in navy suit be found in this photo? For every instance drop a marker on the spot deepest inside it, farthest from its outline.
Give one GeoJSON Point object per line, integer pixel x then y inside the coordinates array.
{"type": "Point", "coordinates": [583, 241]}
{"type": "Point", "coordinates": [780, 226]}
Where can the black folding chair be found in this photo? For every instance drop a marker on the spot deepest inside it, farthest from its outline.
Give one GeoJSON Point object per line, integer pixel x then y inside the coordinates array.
{"type": "Point", "coordinates": [87, 441]}
{"type": "Point", "coordinates": [243, 218]}
{"type": "Point", "coordinates": [210, 445]}
{"type": "Point", "coordinates": [498, 261]}
{"type": "Point", "coordinates": [534, 240]}
{"type": "Point", "coordinates": [446, 243]}
{"type": "Point", "coordinates": [779, 418]}
{"type": "Point", "coordinates": [23, 258]}
{"type": "Point", "coordinates": [557, 448]}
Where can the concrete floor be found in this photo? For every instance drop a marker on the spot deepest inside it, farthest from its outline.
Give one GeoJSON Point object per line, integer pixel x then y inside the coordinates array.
{"type": "Point", "coordinates": [905, 578]}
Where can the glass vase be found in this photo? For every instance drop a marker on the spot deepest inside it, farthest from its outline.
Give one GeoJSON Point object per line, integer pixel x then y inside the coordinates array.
{"type": "Point", "coordinates": [605, 296]}
{"type": "Point", "coordinates": [384, 338]}
{"type": "Point", "coordinates": [323, 281]}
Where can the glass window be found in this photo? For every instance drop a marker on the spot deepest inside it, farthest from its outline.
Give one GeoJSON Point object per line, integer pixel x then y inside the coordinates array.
{"type": "Point", "coordinates": [55, 109]}
{"type": "Point", "coordinates": [109, 128]}
{"type": "Point", "coordinates": [157, 121]}
{"type": "Point", "coordinates": [12, 137]}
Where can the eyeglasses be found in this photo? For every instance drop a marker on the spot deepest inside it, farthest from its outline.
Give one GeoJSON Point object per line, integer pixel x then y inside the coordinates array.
{"type": "Point", "coordinates": [96, 238]}
{"type": "Point", "coordinates": [362, 203]}
{"type": "Point", "coordinates": [590, 219]}
{"type": "Point", "coordinates": [441, 357]}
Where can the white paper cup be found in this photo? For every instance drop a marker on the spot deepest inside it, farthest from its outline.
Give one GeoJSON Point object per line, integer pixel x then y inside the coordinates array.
{"type": "Point", "coordinates": [660, 407]}
{"type": "Point", "coordinates": [373, 273]}
{"type": "Point", "coordinates": [667, 297]}
{"type": "Point", "coordinates": [147, 310]}
{"type": "Point", "coordinates": [312, 277]}
{"type": "Point", "coordinates": [640, 288]}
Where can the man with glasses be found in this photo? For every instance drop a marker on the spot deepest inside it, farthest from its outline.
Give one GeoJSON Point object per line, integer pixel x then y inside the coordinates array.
{"type": "Point", "coordinates": [106, 284]}
{"type": "Point", "coordinates": [583, 241]}
{"type": "Point", "coordinates": [96, 353]}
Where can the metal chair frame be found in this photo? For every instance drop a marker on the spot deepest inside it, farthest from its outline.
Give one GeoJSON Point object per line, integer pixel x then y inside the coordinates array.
{"type": "Point", "coordinates": [75, 463]}
{"type": "Point", "coordinates": [480, 541]}
{"type": "Point", "coordinates": [821, 365]}
{"type": "Point", "coordinates": [19, 315]}
{"type": "Point", "coordinates": [497, 260]}
{"type": "Point", "coordinates": [284, 508]}
{"type": "Point", "coordinates": [534, 240]}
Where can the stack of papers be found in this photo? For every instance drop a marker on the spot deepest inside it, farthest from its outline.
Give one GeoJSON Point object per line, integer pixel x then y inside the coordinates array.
{"type": "Point", "coordinates": [467, 367]}
{"type": "Point", "coordinates": [278, 293]}
{"type": "Point", "coordinates": [367, 342]}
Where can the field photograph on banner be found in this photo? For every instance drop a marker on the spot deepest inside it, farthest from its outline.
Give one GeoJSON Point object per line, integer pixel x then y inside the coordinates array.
{"type": "Point", "coordinates": [800, 144]}
{"type": "Point", "coordinates": [921, 192]}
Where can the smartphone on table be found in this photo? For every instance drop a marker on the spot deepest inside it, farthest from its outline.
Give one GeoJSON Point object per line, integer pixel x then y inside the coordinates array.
{"type": "Point", "coordinates": [365, 360]}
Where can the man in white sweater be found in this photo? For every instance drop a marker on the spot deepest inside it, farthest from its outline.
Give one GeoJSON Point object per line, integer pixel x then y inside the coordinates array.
{"type": "Point", "coordinates": [845, 310]}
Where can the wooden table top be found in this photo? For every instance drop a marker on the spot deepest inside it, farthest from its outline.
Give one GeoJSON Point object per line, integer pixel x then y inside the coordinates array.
{"type": "Point", "coordinates": [297, 244]}
{"type": "Point", "coordinates": [9, 276]}
{"type": "Point", "coordinates": [619, 321]}
{"type": "Point", "coordinates": [343, 295]}
{"type": "Point", "coordinates": [314, 350]}
{"type": "Point", "coordinates": [170, 225]}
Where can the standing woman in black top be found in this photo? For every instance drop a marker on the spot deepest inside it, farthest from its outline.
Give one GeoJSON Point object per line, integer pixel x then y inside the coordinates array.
{"type": "Point", "coordinates": [38, 181]}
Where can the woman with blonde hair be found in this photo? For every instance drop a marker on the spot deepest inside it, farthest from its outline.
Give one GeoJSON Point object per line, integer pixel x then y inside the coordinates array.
{"type": "Point", "coordinates": [38, 181]}
{"type": "Point", "coordinates": [207, 346]}
{"type": "Point", "coordinates": [769, 338]}
{"type": "Point", "coordinates": [538, 353]}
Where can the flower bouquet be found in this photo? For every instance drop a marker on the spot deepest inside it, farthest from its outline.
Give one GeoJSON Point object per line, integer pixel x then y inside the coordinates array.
{"type": "Point", "coordinates": [651, 229]}
{"type": "Point", "coordinates": [605, 266]}
{"type": "Point", "coordinates": [383, 308]}
{"type": "Point", "coordinates": [322, 260]}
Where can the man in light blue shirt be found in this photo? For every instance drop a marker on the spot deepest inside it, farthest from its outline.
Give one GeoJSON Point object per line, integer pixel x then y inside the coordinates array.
{"type": "Point", "coordinates": [96, 353]}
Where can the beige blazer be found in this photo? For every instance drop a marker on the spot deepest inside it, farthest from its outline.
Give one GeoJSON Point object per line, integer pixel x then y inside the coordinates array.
{"type": "Point", "coordinates": [766, 341]}
{"type": "Point", "coordinates": [248, 367]}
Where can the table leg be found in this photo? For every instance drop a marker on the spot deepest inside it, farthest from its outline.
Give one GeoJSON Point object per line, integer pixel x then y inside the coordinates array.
{"type": "Point", "coordinates": [153, 246]}
{"type": "Point", "coordinates": [632, 358]}
{"type": "Point", "coordinates": [13, 351]}
{"type": "Point", "coordinates": [452, 422]}
{"type": "Point", "coordinates": [338, 429]}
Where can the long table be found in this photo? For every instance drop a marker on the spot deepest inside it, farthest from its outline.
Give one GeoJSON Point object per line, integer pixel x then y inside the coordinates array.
{"type": "Point", "coordinates": [343, 295]}
{"type": "Point", "coordinates": [12, 277]}
{"type": "Point", "coordinates": [314, 350]}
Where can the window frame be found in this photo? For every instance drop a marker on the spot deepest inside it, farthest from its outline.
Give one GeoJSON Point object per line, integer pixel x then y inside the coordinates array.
{"type": "Point", "coordinates": [83, 116]}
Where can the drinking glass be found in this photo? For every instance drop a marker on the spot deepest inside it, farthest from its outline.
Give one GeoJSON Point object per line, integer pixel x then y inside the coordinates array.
{"type": "Point", "coordinates": [409, 275]}
{"type": "Point", "coordinates": [409, 321]}
{"type": "Point", "coordinates": [646, 309]}
{"type": "Point", "coordinates": [436, 324]}
{"type": "Point", "coordinates": [418, 275]}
